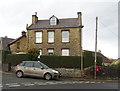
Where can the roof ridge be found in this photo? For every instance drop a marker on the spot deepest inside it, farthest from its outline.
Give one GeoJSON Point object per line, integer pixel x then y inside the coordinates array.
{"type": "Point", "coordinates": [58, 19]}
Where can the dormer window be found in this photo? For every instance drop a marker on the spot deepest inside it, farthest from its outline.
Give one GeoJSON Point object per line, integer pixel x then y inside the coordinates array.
{"type": "Point", "coordinates": [53, 20]}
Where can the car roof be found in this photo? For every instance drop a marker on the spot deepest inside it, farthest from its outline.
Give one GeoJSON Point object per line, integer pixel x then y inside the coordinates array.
{"type": "Point", "coordinates": [30, 61]}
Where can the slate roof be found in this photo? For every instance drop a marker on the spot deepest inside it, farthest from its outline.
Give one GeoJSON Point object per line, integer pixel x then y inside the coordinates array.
{"type": "Point", "coordinates": [16, 40]}
{"type": "Point", "coordinates": [62, 23]}
{"type": "Point", "coordinates": [4, 41]}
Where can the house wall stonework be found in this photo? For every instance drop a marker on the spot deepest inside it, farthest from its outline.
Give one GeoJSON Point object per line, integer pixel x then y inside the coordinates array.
{"type": "Point", "coordinates": [22, 47]}
{"type": "Point", "coordinates": [74, 44]}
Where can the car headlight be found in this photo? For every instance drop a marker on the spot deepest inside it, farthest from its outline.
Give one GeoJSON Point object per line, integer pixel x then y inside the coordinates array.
{"type": "Point", "coordinates": [55, 71]}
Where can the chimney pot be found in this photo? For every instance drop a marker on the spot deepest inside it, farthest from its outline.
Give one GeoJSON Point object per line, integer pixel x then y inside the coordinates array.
{"type": "Point", "coordinates": [26, 26]}
{"type": "Point", "coordinates": [36, 13]}
{"type": "Point", "coordinates": [23, 33]}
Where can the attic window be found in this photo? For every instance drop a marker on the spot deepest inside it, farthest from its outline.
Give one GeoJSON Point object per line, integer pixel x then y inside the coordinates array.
{"type": "Point", "coordinates": [53, 20]}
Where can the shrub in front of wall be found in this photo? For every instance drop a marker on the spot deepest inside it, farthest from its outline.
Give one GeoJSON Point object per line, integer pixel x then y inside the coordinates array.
{"type": "Point", "coordinates": [34, 53]}
{"type": "Point", "coordinates": [15, 59]}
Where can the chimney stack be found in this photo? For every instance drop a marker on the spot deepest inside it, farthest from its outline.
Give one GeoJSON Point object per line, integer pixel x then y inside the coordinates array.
{"type": "Point", "coordinates": [34, 18]}
{"type": "Point", "coordinates": [79, 18]}
{"type": "Point", "coordinates": [6, 37]}
{"type": "Point", "coordinates": [23, 33]}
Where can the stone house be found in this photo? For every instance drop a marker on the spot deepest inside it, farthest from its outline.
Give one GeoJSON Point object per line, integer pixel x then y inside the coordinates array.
{"type": "Point", "coordinates": [19, 45]}
{"type": "Point", "coordinates": [52, 36]}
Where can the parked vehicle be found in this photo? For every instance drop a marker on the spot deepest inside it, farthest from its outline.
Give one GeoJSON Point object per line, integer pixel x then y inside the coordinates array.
{"type": "Point", "coordinates": [36, 68]}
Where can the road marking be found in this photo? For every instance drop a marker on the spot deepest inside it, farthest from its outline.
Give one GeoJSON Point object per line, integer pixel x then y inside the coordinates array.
{"type": "Point", "coordinates": [27, 84]}
{"type": "Point", "coordinates": [78, 82]}
{"type": "Point", "coordinates": [11, 83]}
{"type": "Point", "coordinates": [14, 85]}
{"type": "Point", "coordinates": [40, 83]}
{"type": "Point", "coordinates": [48, 83]}
{"type": "Point", "coordinates": [60, 83]}
{"type": "Point", "coordinates": [1, 85]}
{"type": "Point", "coordinates": [51, 83]}
{"type": "Point", "coordinates": [87, 82]}
{"type": "Point", "coordinates": [92, 82]}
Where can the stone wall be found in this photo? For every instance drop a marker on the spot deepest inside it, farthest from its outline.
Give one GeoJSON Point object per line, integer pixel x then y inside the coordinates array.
{"type": "Point", "coordinates": [70, 72]}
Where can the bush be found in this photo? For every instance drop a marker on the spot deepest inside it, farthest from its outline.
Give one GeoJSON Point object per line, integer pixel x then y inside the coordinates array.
{"type": "Point", "coordinates": [34, 53]}
{"type": "Point", "coordinates": [15, 59]}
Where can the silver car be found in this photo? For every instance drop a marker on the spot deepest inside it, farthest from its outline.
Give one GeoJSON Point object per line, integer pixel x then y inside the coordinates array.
{"type": "Point", "coordinates": [36, 68]}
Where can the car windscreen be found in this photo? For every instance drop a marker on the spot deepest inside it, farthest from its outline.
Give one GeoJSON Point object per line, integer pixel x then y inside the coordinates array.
{"type": "Point", "coordinates": [44, 66]}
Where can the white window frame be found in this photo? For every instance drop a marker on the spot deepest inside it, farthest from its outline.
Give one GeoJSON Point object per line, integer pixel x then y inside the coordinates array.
{"type": "Point", "coordinates": [53, 21]}
{"type": "Point", "coordinates": [65, 52]}
{"type": "Point", "coordinates": [38, 37]}
{"type": "Point", "coordinates": [65, 39]}
{"type": "Point", "coordinates": [51, 37]}
{"type": "Point", "coordinates": [50, 51]}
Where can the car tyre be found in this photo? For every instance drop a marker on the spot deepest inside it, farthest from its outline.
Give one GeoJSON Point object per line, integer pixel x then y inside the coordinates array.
{"type": "Point", "coordinates": [19, 74]}
{"type": "Point", "coordinates": [48, 76]}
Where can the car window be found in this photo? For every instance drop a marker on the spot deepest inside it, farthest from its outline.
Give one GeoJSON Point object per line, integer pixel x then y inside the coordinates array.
{"type": "Point", "coordinates": [29, 64]}
{"type": "Point", "coordinates": [44, 66]}
{"type": "Point", "coordinates": [21, 64]}
{"type": "Point", "coordinates": [37, 65]}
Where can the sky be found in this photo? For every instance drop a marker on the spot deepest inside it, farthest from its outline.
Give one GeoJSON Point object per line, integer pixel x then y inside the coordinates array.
{"type": "Point", "coordinates": [15, 14]}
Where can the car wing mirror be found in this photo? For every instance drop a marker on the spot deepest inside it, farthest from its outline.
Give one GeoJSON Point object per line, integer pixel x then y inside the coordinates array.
{"type": "Point", "coordinates": [42, 68]}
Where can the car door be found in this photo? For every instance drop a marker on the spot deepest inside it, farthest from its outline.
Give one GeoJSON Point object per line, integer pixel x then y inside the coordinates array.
{"type": "Point", "coordinates": [28, 68]}
{"type": "Point", "coordinates": [38, 69]}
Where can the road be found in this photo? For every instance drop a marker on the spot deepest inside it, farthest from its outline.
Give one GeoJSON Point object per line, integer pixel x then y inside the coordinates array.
{"type": "Point", "coordinates": [10, 81]}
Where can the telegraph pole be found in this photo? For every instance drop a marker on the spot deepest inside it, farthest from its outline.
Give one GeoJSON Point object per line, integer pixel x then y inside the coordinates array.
{"type": "Point", "coordinates": [95, 62]}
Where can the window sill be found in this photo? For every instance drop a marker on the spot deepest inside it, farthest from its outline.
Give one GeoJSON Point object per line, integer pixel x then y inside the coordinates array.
{"type": "Point", "coordinates": [50, 42]}
{"type": "Point", "coordinates": [39, 43]}
{"type": "Point", "coordinates": [65, 42]}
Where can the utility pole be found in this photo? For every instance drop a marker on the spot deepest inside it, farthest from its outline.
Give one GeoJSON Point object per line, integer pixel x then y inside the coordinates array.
{"type": "Point", "coordinates": [81, 55]}
{"type": "Point", "coordinates": [95, 62]}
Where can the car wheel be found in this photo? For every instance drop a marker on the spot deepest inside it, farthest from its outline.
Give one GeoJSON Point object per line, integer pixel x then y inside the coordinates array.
{"type": "Point", "coordinates": [48, 76]}
{"type": "Point", "coordinates": [19, 74]}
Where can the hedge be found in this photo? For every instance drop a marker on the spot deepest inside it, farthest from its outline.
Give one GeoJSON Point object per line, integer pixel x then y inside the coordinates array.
{"type": "Point", "coordinates": [3, 54]}
{"type": "Point", "coordinates": [69, 61]}
{"type": "Point", "coordinates": [61, 61]}
{"type": "Point", "coordinates": [57, 61]}
{"type": "Point", "coordinates": [15, 59]}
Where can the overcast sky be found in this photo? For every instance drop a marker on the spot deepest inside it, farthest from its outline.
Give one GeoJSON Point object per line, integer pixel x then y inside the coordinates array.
{"type": "Point", "coordinates": [15, 14]}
